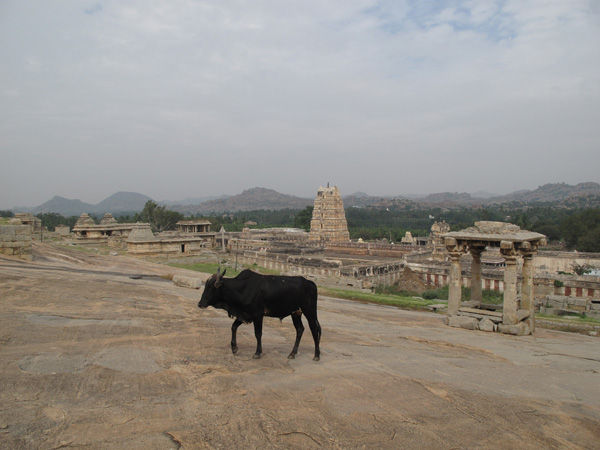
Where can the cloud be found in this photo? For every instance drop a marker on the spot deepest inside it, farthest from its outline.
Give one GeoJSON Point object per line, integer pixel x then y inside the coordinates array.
{"type": "Point", "coordinates": [469, 92]}
{"type": "Point", "coordinates": [93, 9]}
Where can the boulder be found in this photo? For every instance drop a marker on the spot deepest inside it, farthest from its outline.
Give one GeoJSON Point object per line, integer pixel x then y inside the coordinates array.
{"type": "Point", "coordinates": [182, 281]}
{"type": "Point", "coordinates": [468, 323]}
{"type": "Point", "coordinates": [520, 329]}
{"type": "Point", "coordinates": [486, 325]}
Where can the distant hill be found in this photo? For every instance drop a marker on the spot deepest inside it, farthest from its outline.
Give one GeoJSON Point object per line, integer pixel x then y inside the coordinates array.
{"type": "Point", "coordinates": [582, 195]}
{"type": "Point", "coordinates": [250, 199]}
{"type": "Point", "coordinates": [192, 200]}
{"type": "Point", "coordinates": [451, 199]}
{"type": "Point", "coordinates": [121, 202]}
{"type": "Point", "coordinates": [63, 206]}
{"type": "Point", "coordinates": [565, 194]}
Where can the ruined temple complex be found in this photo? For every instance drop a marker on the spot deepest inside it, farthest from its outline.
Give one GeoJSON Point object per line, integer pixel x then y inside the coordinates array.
{"type": "Point", "coordinates": [328, 222]}
{"type": "Point", "coordinates": [490, 255]}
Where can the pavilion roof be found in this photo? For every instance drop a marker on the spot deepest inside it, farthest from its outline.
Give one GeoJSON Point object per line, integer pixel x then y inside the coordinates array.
{"type": "Point", "coordinates": [487, 231]}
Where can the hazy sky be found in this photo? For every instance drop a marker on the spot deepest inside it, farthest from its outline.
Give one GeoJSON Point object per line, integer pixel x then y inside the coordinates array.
{"type": "Point", "coordinates": [178, 99]}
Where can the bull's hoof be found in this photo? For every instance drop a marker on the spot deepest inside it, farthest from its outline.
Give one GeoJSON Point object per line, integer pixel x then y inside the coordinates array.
{"type": "Point", "coordinates": [256, 356]}
{"type": "Point", "coordinates": [316, 358]}
{"type": "Point", "coordinates": [291, 356]}
{"type": "Point", "coordinates": [234, 350]}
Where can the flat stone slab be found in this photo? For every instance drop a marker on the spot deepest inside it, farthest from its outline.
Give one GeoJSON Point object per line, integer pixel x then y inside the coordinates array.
{"type": "Point", "coordinates": [92, 358]}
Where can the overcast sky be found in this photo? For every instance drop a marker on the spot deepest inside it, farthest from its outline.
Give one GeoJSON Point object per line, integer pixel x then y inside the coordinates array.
{"type": "Point", "coordinates": [187, 98]}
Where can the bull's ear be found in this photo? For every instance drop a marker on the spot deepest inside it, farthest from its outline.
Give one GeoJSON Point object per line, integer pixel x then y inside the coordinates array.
{"type": "Point", "coordinates": [223, 274]}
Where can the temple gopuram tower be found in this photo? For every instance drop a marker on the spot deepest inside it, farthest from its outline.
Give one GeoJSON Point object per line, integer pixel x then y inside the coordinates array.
{"type": "Point", "coordinates": [328, 222]}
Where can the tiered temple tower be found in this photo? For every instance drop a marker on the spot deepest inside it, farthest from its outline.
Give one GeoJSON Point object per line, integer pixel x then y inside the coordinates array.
{"type": "Point", "coordinates": [328, 222]}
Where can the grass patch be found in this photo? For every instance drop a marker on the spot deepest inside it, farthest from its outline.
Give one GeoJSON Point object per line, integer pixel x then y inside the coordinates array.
{"type": "Point", "coordinates": [488, 296]}
{"type": "Point", "coordinates": [84, 248]}
{"type": "Point", "coordinates": [385, 299]}
{"type": "Point", "coordinates": [213, 267]}
{"type": "Point", "coordinates": [578, 318]}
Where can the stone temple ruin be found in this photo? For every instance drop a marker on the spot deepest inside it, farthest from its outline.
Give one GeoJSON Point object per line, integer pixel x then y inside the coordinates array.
{"type": "Point", "coordinates": [490, 255]}
{"type": "Point", "coordinates": [517, 316]}
{"type": "Point", "coordinates": [328, 222]}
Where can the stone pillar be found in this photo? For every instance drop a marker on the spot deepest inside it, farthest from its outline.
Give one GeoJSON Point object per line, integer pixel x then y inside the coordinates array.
{"type": "Point", "coordinates": [509, 310]}
{"type": "Point", "coordinates": [454, 289]}
{"type": "Point", "coordinates": [527, 288]}
{"type": "Point", "coordinates": [456, 250]}
{"type": "Point", "coordinates": [476, 273]}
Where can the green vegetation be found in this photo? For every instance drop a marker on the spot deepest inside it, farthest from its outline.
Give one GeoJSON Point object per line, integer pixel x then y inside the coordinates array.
{"type": "Point", "coordinates": [50, 220]}
{"type": "Point", "coordinates": [159, 217]}
{"type": "Point", "coordinates": [303, 218]}
{"type": "Point", "coordinates": [487, 295]}
{"type": "Point", "coordinates": [283, 218]}
{"type": "Point", "coordinates": [393, 300]}
{"type": "Point", "coordinates": [582, 230]}
{"type": "Point", "coordinates": [575, 318]}
{"type": "Point", "coordinates": [577, 228]}
{"type": "Point", "coordinates": [213, 267]}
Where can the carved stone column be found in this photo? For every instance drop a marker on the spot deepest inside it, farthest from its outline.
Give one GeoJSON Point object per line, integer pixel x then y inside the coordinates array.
{"type": "Point", "coordinates": [527, 287]}
{"type": "Point", "coordinates": [509, 310]}
{"type": "Point", "coordinates": [455, 287]}
{"type": "Point", "coordinates": [476, 252]}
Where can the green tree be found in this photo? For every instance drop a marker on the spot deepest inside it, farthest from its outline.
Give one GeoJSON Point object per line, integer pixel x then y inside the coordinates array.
{"type": "Point", "coordinates": [580, 230]}
{"type": "Point", "coordinates": [590, 241]}
{"type": "Point", "coordinates": [159, 217]}
{"type": "Point", "coordinates": [303, 218]}
{"type": "Point", "coordinates": [51, 220]}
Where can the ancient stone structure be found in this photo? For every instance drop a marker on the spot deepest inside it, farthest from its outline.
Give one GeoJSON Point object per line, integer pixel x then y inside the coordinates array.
{"type": "Point", "coordinates": [517, 317]}
{"type": "Point", "coordinates": [193, 226]}
{"type": "Point", "coordinates": [86, 229]}
{"type": "Point", "coordinates": [30, 220]}
{"type": "Point", "coordinates": [62, 230]}
{"type": "Point", "coordinates": [328, 222]}
{"type": "Point", "coordinates": [108, 219]}
{"type": "Point", "coordinates": [141, 241]}
{"type": "Point", "coordinates": [15, 240]}
{"type": "Point", "coordinates": [438, 229]}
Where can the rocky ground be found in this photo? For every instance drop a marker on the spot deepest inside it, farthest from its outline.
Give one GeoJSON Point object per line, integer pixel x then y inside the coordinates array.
{"type": "Point", "coordinates": [102, 352]}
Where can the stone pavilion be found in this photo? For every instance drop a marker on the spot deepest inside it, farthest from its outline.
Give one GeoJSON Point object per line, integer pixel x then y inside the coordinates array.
{"type": "Point", "coordinates": [515, 245]}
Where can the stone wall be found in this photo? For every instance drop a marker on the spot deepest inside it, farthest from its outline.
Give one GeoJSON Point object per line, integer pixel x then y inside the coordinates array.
{"type": "Point", "coordinates": [374, 249]}
{"type": "Point", "coordinates": [15, 240]}
{"type": "Point", "coordinates": [555, 262]}
{"type": "Point", "coordinates": [167, 246]}
{"type": "Point", "coordinates": [326, 271]}
{"type": "Point", "coordinates": [563, 306]}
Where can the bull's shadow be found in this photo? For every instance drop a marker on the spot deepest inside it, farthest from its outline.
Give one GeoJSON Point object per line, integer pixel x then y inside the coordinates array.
{"type": "Point", "coordinates": [250, 296]}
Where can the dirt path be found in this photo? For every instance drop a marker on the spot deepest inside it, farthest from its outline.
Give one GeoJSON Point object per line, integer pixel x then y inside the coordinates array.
{"type": "Point", "coordinates": [93, 356]}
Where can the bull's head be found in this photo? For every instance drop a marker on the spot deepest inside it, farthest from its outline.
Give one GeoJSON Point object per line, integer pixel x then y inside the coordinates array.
{"type": "Point", "coordinates": [211, 292]}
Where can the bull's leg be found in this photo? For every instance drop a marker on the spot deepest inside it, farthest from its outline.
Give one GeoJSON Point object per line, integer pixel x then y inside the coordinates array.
{"type": "Point", "coordinates": [297, 319]}
{"type": "Point", "coordinates": [258, 322]}
{"type": "Point", "coordinates": [315, 329]}
{"type": "Point", "coordinates": [234, 327]}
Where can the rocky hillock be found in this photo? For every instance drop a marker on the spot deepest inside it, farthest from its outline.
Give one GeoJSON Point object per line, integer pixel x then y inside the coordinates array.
{"type": "Point", "coordinates": [251, 199]}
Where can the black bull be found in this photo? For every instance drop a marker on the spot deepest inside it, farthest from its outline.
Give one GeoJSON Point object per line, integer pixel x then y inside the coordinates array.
{"type": "Point", "coordinates": [250, 296]}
